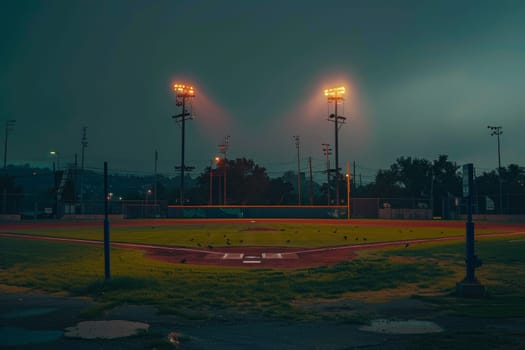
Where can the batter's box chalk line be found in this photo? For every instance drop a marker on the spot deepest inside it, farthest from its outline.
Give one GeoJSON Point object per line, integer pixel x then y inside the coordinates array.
{"type": "Point", "coordinates": [272, 255]}
{"type": "Point", "coordinates": [233, 256]}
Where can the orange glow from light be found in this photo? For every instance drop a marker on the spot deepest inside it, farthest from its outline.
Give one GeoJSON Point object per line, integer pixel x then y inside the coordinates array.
{"type": "Point", "coordinates": [184, 90]}
{"type": "Point", "coordinates": [217, 159]}
{"type": "Point", "coordinates": [335, 92]}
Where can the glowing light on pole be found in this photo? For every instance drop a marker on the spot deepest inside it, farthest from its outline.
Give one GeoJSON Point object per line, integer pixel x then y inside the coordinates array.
{"type": "Point", "coordinates": [183, 93]}
{"type": "Point", "coordinates": [55, 154]}
{"type": "Point", "coordinates": [336, 95]}
{"type": "Point", "coordinates": [216, 159]}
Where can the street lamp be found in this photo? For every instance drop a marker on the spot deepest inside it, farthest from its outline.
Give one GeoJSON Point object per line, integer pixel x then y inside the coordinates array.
{"type": "Point", "coordinates": [148, 193]}
{"type": "Point", "coordinates": [56, 155]}
{"type": "Point", "coordinates": [336, 95]}
{"type": "Point", "coordinates": [222, 162]}
{"type": "Point", "coordinates": [183, 93]}
{"type": "Point", "coordinates": [496, 131]}
{"type": "Point", "coordinates": [216, 159]}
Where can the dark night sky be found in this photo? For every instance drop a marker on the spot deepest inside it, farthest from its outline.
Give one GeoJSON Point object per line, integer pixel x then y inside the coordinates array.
{"type": "Point", "coordinates": [423, 78]}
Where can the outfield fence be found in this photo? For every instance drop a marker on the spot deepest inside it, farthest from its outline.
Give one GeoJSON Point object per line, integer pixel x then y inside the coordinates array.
{"type": "Point", "coordinates": [44, 206]}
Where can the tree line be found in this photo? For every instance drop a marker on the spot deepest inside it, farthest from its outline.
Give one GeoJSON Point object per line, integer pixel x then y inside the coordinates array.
{"type": "Point", "coordinates": [248, 183]}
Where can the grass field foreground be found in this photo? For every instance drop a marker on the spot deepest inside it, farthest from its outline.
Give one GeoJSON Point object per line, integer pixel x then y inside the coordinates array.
{"type": "Point", "coordinates": [428, 270]}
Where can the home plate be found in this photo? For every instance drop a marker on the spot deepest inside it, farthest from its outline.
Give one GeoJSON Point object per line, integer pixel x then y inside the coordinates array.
{"type": "Point", "coordinates": [251, 261]}
{"type": "Point", "coordinates": [232, 256]}
{"type": "Point", "coordinates": [272, 255]}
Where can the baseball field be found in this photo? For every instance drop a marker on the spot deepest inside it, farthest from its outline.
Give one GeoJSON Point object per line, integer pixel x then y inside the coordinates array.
{"type": "Point", "coordinates": [302, 272]}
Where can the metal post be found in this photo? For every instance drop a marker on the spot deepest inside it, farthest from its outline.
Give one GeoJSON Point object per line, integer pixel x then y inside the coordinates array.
{"type": "Point", "coordinates": [182, 150]}
{"type": "Point", "coordinates": [107, 270]}
{"type": "Point", "coordinates": [348, 178]}
{"type": "Point", "coordinates": [327, 153]}
{"type": "Point", "coordinates": [225, 165]}
{"type": "Point", "coordinates": [8, 125]}
{"type": "Point", "coordinates": [311, 182]}
{"type": "Point", "coordinates": [469, 226]}
{"type": "Point", "coordinates": [84, 145]}
{"type": "Point", "coordinates": [297, 145]}
{"type": "Point", "coordinates": [496, 130]}
{"type": "Point", "coordinates": [500, 179]}
{"type": "Point", "coordinates": [210, 202]}
{"type": "Point", "coordinates": [469, 286]}
{"type": "Point", "coordinates": [55, 189]}
{"type": "Point", "coordinates": [155, 186]}
{"type": "Point", "coordinates": [223, 149]}
{"type": "Point", "coordinates": [336, 122]}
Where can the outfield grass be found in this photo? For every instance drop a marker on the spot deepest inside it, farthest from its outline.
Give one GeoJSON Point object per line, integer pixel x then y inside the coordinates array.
{"type": "Point", "coordinates": [257, 234]}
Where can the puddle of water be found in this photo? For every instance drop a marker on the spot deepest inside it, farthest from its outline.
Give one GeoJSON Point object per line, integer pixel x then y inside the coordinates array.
{"type": "Point", "coordinates": [14, 336]}
{"type": "Point", "coordinates": [402, 327]}
{"type": "Point", "coordinates": [105, 329]}
{"type": "Point", "coordinates": [28, 312]}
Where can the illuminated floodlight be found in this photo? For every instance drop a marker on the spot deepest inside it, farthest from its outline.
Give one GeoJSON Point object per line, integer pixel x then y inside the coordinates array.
{"type": "Point", "coordinates": [184, 90]}
{"type": "Point", "coordinates": [335, 92]}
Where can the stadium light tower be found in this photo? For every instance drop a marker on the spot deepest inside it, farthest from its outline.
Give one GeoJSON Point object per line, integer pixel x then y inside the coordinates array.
{"type": "Point", "coordinates": [336, 95]}
{"type": "Point", "coordinates": [496, 131]}
{"type": "Point", "coordinates": [184, 94]}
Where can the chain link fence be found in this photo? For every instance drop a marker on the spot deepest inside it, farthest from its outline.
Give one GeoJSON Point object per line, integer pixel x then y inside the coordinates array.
{"type": "Point", "coordinates": [45, 206]}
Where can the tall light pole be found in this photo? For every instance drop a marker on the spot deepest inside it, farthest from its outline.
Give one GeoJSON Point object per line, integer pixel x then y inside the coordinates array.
{"type": "Point", "coordinates": [223, 149]}
{"type": "Point", "coordinates": [327, 152]}
{"type": "Point", "coordinates": [9, 125]}
{"type": "Point", "coordinates": [496, 131]}
{"type": "Point", "coordinates": [155, 184]}
{"type": "Point", "coordinates": [297, 145]}
{"type": "Point", "coordinates": [148, 193]}
{"type": "Point", "coordinates": [348, 178]}
{"type": "Point", "coordinates": [84, 144]}
{"type": "Point", "coordinates": [335, 95]}
{"type": "Point", "coordinates": [216, 160]}
{"type": "Point", "coordinates": [184, 93]}
{"type": "Point", "coordinates": [55, 154]}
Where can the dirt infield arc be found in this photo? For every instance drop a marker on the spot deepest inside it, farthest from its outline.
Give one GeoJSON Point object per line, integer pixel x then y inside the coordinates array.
{"type": "Point", "coordinates": [256, 257]}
